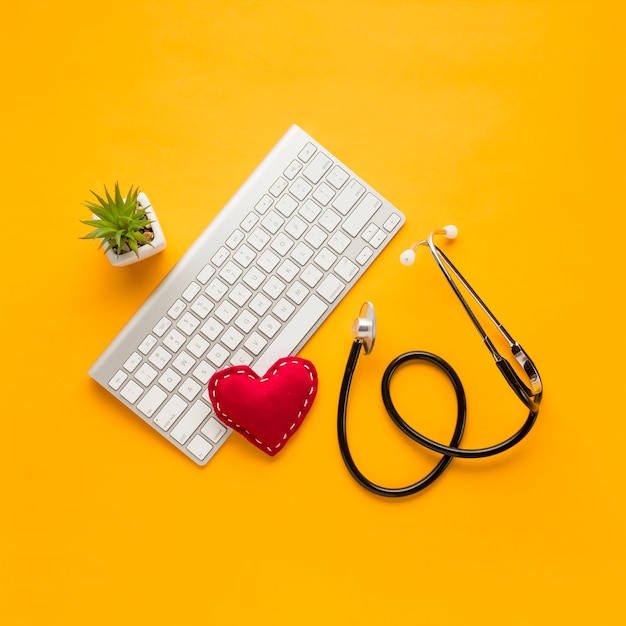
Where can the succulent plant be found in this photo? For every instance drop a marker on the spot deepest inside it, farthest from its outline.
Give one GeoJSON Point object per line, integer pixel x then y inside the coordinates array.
{"type": "Point", "coordinates": [122, 224]}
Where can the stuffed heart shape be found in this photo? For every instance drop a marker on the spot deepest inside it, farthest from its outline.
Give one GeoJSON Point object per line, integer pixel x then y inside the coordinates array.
{"type": "Point", "coordinates": [267, 410]}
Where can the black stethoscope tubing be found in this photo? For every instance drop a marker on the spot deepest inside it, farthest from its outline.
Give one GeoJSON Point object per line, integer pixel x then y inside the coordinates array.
{"type": "Point", "coordinates": [448, 452]}
{"type": "Point", "coordinates": [364, 330]}
{"type": "Point", "coordinates": [441, 466]}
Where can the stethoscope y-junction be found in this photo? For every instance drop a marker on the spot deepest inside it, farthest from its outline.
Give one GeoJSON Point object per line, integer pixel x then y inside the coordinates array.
{"type": "Point", "coordinates": [364, 331]}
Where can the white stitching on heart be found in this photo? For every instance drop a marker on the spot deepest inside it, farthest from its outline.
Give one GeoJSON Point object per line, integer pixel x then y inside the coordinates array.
{"type": "Point", "coordinates": [263, 380]}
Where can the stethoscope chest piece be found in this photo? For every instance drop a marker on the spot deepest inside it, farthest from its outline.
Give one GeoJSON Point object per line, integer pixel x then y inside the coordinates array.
{"type": "Point", "coordinates": [364, 327]}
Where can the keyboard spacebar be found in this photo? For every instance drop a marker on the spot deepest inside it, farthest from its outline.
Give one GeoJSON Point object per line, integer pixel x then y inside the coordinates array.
{"type": "Point", "coordinates": [292, 333]}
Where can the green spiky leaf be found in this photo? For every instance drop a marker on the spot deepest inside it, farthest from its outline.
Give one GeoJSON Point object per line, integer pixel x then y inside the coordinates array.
{"type": "Point", "coordinates": [121, 221]}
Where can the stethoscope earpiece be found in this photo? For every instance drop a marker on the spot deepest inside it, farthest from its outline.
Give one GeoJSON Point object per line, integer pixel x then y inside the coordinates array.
{"type": "Point", "coordinates": [408, 256]}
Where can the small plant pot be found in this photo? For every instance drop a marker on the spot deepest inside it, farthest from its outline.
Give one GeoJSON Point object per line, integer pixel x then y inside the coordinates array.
{"type": "Point", "coordinates": [157, 245]}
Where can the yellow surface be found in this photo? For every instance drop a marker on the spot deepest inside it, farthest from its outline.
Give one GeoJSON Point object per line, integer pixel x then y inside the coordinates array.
{"type": "Point", "coordinates": [506, 118]}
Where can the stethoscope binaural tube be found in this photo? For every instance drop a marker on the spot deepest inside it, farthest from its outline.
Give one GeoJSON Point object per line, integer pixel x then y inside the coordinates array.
{"type": "Point", "coordinates": [364, 329]}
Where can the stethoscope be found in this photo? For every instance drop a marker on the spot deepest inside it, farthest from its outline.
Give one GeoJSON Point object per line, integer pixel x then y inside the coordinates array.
{"type": "Point", "coordinates": [364, 332]}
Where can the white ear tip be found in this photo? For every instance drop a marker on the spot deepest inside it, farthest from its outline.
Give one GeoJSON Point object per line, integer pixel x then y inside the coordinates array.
{"type": "Point", "coordinates": [451, 231]}
{"type": "Point", "coordinates": [407, 257]}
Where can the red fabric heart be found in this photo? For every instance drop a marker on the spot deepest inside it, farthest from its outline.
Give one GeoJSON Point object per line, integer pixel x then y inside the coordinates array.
{"type": "Point", "coordinates": [266, 410]}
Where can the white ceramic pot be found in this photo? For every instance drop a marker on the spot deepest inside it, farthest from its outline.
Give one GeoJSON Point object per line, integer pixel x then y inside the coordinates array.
{"type": "Point", "coordinates": [145, 251]}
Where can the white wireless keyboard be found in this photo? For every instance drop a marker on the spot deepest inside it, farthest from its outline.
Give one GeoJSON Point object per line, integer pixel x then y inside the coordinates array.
{"type": "Point", "coordinates": [253, 288]}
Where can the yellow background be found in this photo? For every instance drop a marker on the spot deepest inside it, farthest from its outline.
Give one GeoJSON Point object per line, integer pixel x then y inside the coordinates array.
{"type": "Point", "coordinates": [506, 118]}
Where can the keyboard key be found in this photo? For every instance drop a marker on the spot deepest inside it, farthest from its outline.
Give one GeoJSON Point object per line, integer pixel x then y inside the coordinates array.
{"type": "Point", "coordinates": [198, 345]}
{"type": "Point", "coordinates": [255, 343]}
{"type": "Point", "coordinates": [213, 430]}
{"type": "Point", "coordinates": [261, 206]}
{"type": "Point", "coordinates": [240, 295]}
{"type": "Point", "coordinates": [311, 275]}
{"type": "Point", "coordinates": [318, 166]}
{"type": "Point", "coordinates": [190, 421]}
{"type": "Point", "coordinates": [282, 244]}
{"type": "Point", "coordinates": [268, 261]}
{"type": "Point", "coordinates": [272, 222]}
{"type": "Point", "coordinates": [176, 309]}
{"type": "Point", "coordinates": [325, 258]}
{"type": "Point", "coordinates": [310, 210]}
{"type": "Point", "coordinates": [346, 269]}
{"type": "Point", "coordinates": [152, 401]}
{"type": "Point", "coordinates": [269, 326]}
{"type": "Point", "coordinates": [330, 220]}
{"type": "Point", "coordinates": [205, 273]}
{"type": "Point", "coordinates": [260, 304]}
{"type": "Point", "coordinates": [286, 205]}
{"type": "Point", "coordinates": [235, 239]}
{"type": "Point", "coordinates": [203, 372]}
{"type": "Point", "coordinates": [170, 412]}
{"type": "Point", "coordinates": [288, 270]}
{"type": "Point", "coordinates": [361, 215]}
{"type": "Point", "coordinates": [118, 380]}
{"type": "Point", "coordinates": [202, 306]}
{"type": "Point", "coordinates": [189, 389]}
{"type": "Point", "coordinates": [254, 277]}
{"type": "Point", "coordinates": [191, 292]}
{"type": "Point", "coordinates": [300, 188]}
{"type": "Point", "coordinates": [246, 321]}
{"type": "Point", "coordinates": [244, 256]}
{"type": "Point", "coordinates": [364, 256]}
{"type": "Point", "coordinates": [278, 187]}
{"type": "Point", "coordinates": [337, 177]}
{"type": "Point", "coordinates": [174, 340]}
{"type": "Point", "coordinates": [241, 357]}
{"type": "Point", "coordinates": [199, 447]}
{"type": "Point", "coordinates": [218, 355]}
{"type": "Point", "coordinates": [216, 289]}
{"type": "Point", "coordinates": [274, 287]}
{"type": "Point", "coordinates": [307, 152]}
{"type": "Point", "coordinates": [226, 311]}
{"type": "Point", "coordinates": [211, 328]}
{"type": "Point", "coordinates": [369, 232]}
{"type": "Point", "coordinates": [339, 242]}
{"type": "Point", "coordinates": [316, 236]}
{"type": "Point", "coordinates": [230, 272]}
{"type": "Point", "coordinates": [232, 338]}
{"type": "Point", "coordinates": [302, 253]}
{"type": "Point", "coordinates": [378, 239]}
{"type": "Point", "coordinates": [220, 256]}
{"type": "Point", "coordinates": [132, 362]}
{"type": "Point", "coordinates": [296, 227]}
{"type": "Point", "coordinates": [297, 292]}
{"type": "Point", "coordinates": [169, 379]}
{"type": "Point", "coordinates": [330, 288]}
{"type": "Point", "coordinates": [283, 309]}
{"type": "Point", "coordinates": [252, 218]}
{"type": "Point", "coordinates": [292, 169]}
{"type": "Point", "coordinates": [183, 362]}
{"type": "Point", "coordinates": [323, 194]}
{"type": "Point", "coordinates": [131, 391]}
{"type": "Point", "coordinates": [147, 344]}
{"type": "Point", "coordinates": [348, 197]}
{"type": "Point", "coordinates": [160, 357]}
{"type": "Point", "coordinates": [258, 238]}
{"type": "Point", "coordinates": [160, 329]}
{"type": "Point", "coordinates": [391, 222]}
{"type": "Point", "coordinates": [146, 375]}
{"type": "Point", "coordinates": [188, 323]}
